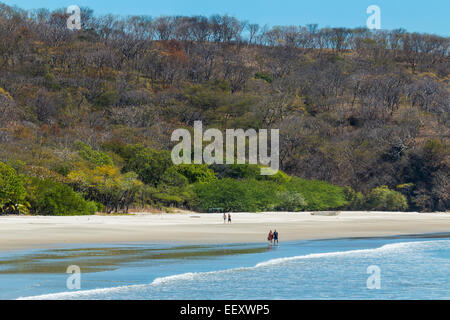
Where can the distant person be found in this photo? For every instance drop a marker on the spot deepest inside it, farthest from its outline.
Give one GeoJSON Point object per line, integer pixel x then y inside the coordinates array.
{"type": "Point", "coordinates": [229, 217]}
{"type": "Point", "coordinates": [224, 217]}
{"type": "Point", "coordinates": [275, 237]}
{"type": "Point", "coordinates": [270, 237]}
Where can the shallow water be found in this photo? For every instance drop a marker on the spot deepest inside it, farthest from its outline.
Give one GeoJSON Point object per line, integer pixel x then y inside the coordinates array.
{"type": "Point", "coordinates": [416, 267]}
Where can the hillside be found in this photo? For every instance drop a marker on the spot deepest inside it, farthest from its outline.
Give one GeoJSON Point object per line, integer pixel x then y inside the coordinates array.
{"type": "Point", "coordinates": [89, 114]}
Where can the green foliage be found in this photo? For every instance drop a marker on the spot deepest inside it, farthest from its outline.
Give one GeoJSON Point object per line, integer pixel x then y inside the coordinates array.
{"type": "Point", "coordinates": [263, 76]}
{"type": "Point", "coordinates": [236, 171]}
{"type": "Point", "coordinates": [319, 195]}
{"type": "Point", "coordinates": [236, 195]}
{"type": "Point", "coordinates": [12, 191]}
{"type": "Point", "coordinates": [355, 200]}
{"type": "Point", "coordinates": [210, 95]}
{"type": "Point", "coordinates": [95, 157]}
{"type": "Point", "coordinates": [384, 199]}
{"type": "Point", "coordinates": [107, 98]}
{"type": "Point", "coordinates": [107, 186]}
{"type": "Point", "coordinates": [51, 81]}
{"type": "Point", "coordinates": [167, 196]}
{"type": "Point", "coordinates": [280, 177]}
{"type": "Point", "coordinates": [290, 201]}
{"type": "Point", "coordinates": [247, 171]}
{"type": "Point", "coordinates": [196, 173]}
{"type": "Point", "coordinates": [173, 178]}
{"type": "Point", "coordinates": [63, 168]}
{"type": "Point", "coordinates": [149, 164]}
{"type": "Point", "coordinates": [49, 197]}
{"type": "Point", "coordinates": [168, 199]}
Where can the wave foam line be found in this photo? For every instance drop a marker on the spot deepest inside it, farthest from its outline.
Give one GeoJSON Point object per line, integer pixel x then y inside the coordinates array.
{"type": "Point", "coordinates": [384, 248]}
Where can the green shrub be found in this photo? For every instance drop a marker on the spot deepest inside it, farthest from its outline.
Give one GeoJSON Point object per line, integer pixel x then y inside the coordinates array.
{"type": "Point", "coordinates": [12, 191]}
{"type": "Point", "coordinates": [236, 171]}
{"type": "Point", "coordinates": [319, 195]}
{"type": "Point", "coordinates": [168, 199]}
{"type": "Point", "coordinates": [254, 195]}
{"type": "Point", "coordinates": [63, 168]}
{"type": "Point", "coordinates": [165, 195]}
{"type": "Point", "coordinates": [196, 173]}
{"type": "Point", "coordinates": [173, 178]}
{"type": "Point", "coordinates": [208, 96]}
{"type": "Point", "coordinates": [290, 201]}
{"type": "Point", "coordinates": [263, 76]}
{"type": "Point", "coordinates": [107, 98]}
{"type": "Point", "coordinates": [96, 157]}
{"type": "Point", "coordinates": [384, 199]}
{"type": "Point", "coordinates": [355, 200]}
{"type": "Point", "coordinates": [280, 177]}
{"type": "Point", "coordinates": [48, 197]}
{"type": "Point", "coordinates": [149, 164]}
{"type": "Point", "coordinates": [236, 195]}
{"type": "Point", "coordinates": [247, 171]}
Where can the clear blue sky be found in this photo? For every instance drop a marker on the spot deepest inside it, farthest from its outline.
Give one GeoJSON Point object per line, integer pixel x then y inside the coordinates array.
{"type": "Point", "coordinates": [430, 16]}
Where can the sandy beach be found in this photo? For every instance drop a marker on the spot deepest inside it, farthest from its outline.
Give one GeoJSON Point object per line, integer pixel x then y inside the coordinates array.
{"type": "Point", "coordinates": [26, 232]}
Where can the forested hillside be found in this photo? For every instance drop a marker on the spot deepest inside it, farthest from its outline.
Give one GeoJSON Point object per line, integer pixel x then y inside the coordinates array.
{"type": "Point", "coordinates": [87, 115]}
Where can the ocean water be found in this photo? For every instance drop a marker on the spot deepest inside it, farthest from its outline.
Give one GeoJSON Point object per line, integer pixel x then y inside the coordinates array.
{"type": "Point", "coordinates": [414, 267]}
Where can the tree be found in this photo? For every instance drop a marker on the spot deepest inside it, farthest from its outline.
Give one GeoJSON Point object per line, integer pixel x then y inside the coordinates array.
{"type": "Point", "coordinates": [252, 29]}
{"type": "Point", "coordinates": [196, 173]}
{"type": "Point", "coordinates": [97, 158]}
{"type": "Point", "coordinates": [49, 197]}
{"type": "Point", "coordinates": [290, 201]}
{"type": "Point", "coordinates": [427, 170]}
{"type": "Point", "coordinates": [149, 164]}
{"type": "Point", "coordinates": [355, 200]}
{"type": "Point", "coordinates": [12, 191]}
{"type": "Point", "coordinates": [384, 199]}
{"type": "Point", "coordinates": [107, 186]}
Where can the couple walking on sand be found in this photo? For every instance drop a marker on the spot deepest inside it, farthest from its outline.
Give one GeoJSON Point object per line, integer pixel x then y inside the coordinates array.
{"type": "Point", "coordinates": [225, 217]}
{"type": "Point", "coordinates": [273, 237]}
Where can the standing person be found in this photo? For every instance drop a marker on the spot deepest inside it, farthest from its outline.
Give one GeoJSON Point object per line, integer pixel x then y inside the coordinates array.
{"type": "Point", "coordinates": [275, 237]}
{"type": "Point", "coordinates": [229, 217]}
{"type": "Point", "coordinates": [224, 217]}
{"type": "Point", "coordinates": [270, 237]}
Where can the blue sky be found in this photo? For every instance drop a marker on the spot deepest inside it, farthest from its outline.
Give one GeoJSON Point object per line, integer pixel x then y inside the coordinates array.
{"type": "Point", "coordinates": [430, 16]}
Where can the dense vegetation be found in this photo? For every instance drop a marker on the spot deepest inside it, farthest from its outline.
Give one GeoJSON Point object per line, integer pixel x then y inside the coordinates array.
{"type": "Point", "coordinates": [86, 116]}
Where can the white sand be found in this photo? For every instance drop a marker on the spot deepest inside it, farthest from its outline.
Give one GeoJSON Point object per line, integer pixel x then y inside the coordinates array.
{"type": "Point", "coordinates": [23, 232]}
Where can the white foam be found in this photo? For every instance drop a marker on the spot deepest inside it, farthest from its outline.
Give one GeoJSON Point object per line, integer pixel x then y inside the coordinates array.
{"type": "Point", "coordinates": [385, 248]}
{"type": "Point", "coordinates": [388, 248]}
{"type": "Point", "coordinates": [195, 275]}
{"type": "Point", "coordinates": [183, 276]}
{"type": "Point", "coordinates": [80, 294]}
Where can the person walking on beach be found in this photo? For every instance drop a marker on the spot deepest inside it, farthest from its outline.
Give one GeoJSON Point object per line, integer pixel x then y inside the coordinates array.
{"type": "Point", "coordinates": [275, 237]}
{"type": "Point", "coordinates": [229, 217]}
{"type": "Point", "coordinates": [224, 218]}
{"type": "Point", "coordinates": [270, 237]}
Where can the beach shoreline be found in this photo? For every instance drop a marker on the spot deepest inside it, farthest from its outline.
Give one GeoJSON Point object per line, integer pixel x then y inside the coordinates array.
{"type": "Point", "coordinates": [38, 232]}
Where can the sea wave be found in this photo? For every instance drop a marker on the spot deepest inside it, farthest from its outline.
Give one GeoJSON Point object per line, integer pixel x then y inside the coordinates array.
{"type": "Point", "coordinates": [383, 249]}
{"type": "Point", "coordinates": [388, 248]}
